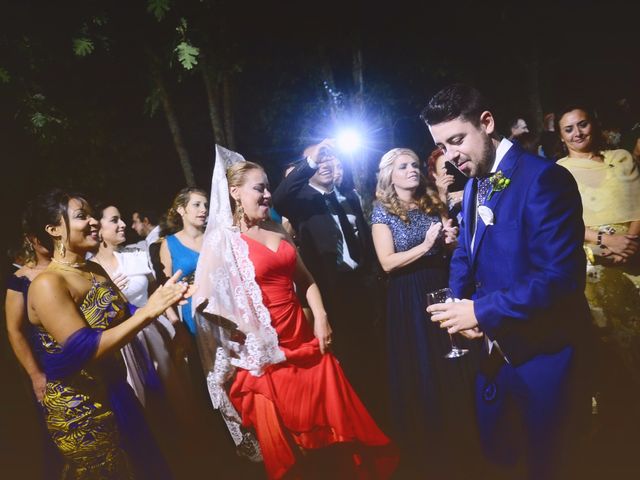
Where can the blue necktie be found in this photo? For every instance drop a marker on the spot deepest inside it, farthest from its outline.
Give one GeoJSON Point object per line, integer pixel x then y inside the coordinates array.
{"type": "Point", "coordinates": [484, 187]}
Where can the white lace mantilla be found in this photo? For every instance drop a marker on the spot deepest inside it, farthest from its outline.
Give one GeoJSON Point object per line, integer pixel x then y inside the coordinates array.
{"type": "Point", "coordinates": [233, 325]}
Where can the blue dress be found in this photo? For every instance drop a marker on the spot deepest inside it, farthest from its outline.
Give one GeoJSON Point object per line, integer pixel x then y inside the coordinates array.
{"type": "Point", "coordinates": [52, 462]}
{"type": "Point", "coordinates": [431, 396]}
{"type": "Point", "coordinates": [185, 259]}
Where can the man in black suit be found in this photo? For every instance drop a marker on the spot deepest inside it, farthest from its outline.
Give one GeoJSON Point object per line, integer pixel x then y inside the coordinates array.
{"type": "Point", "coordinates": [336, 246]}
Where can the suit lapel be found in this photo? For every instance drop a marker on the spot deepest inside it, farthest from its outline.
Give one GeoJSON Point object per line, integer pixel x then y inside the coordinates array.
{"type": "Point", "coordinates": [469, 210]}
{"type": "Point", "coordinates": [507, 167]}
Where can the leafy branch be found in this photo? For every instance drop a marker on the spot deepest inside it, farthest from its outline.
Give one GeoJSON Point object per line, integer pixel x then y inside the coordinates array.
{"type": "Point", "coordinates": [4, 76]}
{"type": "Point", "coordinates": [82, 46]}
{"type": "Point", "coordinates": [158, 8]}
{"type": "Point", "coordinates": [187, 55]}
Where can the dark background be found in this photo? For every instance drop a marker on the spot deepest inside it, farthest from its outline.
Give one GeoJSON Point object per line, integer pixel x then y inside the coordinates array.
{"type": "Point", "coordinates": [109, 146]}
{"type": "Point", "coordinates": [99, 136]}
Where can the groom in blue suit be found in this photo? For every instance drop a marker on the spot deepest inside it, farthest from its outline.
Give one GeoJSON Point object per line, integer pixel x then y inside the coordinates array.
{"type": "Point", "coordinates": [520, 269]}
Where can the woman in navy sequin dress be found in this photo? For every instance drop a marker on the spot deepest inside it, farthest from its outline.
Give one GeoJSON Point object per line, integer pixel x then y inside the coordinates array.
{"type": "Point", "coordinates": [431, 397]}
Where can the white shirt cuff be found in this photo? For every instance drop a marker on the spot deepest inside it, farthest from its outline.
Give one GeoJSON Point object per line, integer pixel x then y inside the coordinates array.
{"type": "Point", "coordinates": [312, 163]}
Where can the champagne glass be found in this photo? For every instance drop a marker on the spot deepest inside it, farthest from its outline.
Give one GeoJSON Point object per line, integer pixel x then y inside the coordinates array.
{"type": "Point", "coordinates": [445, 295]}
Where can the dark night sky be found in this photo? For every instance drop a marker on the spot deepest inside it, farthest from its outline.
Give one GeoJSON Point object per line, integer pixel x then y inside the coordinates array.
{"type": "Point", "coordinates": [111, 148]}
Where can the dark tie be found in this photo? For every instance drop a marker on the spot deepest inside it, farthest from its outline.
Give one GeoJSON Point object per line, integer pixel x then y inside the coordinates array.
{"type": "Point", "coordinates": [347, 230]}
{"type": "Point", "coordinates": [484, 187]}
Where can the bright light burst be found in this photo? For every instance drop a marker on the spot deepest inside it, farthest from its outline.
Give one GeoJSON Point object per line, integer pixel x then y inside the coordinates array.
{"type": "Point", "coordinates": [349, 140]}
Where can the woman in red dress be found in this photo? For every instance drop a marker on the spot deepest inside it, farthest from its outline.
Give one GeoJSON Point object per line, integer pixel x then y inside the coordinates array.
{"type": "Point", "coordinates": [300, 406]}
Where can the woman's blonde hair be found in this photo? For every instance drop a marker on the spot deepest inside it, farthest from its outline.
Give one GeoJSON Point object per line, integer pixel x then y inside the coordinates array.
{"type": "Point", "coordinates": [425, 196]}
{"type": "Point", "coordinates": [236, 177]}
{"type": "Point", "coordinates": [173, 222]}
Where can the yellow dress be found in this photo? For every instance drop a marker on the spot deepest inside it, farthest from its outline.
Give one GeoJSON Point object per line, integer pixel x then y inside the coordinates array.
{"type": "Point", "coordinates": [77, 411]}
{"type": "Point", "coordinates": [610, 192]}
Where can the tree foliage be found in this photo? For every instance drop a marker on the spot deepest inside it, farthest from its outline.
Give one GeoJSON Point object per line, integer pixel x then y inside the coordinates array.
{"type": "Point", "coordinates": [158, 8]}
{"type": "Point", "coordinates": [82, 46]}
{"type": "Point", "coordinates": [4, 76]}
{"type": "Point", "coordinates": [187, 55]}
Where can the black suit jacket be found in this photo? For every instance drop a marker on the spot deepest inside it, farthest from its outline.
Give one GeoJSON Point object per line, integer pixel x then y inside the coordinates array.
{"type": "Point", "coordinates": [318, 233]}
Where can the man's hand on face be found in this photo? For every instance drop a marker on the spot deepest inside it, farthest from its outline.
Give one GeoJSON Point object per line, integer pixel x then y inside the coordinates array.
{"type": "Point", "coordinates": [322, 152]}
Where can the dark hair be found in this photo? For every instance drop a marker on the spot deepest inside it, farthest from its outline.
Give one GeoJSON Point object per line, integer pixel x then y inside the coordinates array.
{"type": "Point", "coordinates": [598, 142]}
{"type": "Point", "coordinates": [26, 254]}
{"type": "Point", "coordinates": [99, 208]}
{"type": "Point", "coordinates": [49, 208]}
{"type": "Point", "coordinates": [513, 121]}
{"type": "Point", "coordinates": [529, 142]}
{"type": "Point", "coordinates": [455, 101]}
{"type": "Point", "coordinates": [148, 213]}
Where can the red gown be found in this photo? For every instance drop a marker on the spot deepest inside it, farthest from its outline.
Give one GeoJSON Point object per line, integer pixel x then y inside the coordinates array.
{"type": "Point", "coordinates": [305, 403]}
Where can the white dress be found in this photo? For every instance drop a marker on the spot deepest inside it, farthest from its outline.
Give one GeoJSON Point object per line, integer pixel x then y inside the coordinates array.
{"type": "Point", "coordinates": [153, 343]}
{"type": "Point", "coordinates": [141, 368]}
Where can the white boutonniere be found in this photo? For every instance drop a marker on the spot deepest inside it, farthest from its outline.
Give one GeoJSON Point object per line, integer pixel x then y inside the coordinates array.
{"type": "Point", "coordinates": [486, 214]}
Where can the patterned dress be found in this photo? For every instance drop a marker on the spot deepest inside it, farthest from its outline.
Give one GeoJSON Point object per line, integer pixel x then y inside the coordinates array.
{"type": "Point", "coordinates": [90, 411]}
{"type": "Point", "coordinates": [610, 190]}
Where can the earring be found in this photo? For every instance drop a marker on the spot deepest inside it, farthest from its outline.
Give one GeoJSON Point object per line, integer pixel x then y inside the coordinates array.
{"type": "Point", "coordinates": [62, 251]}
{"type": "Point", "coordinates": [239, 212]}
{"type": "Point", "coordinates": [29, 247]}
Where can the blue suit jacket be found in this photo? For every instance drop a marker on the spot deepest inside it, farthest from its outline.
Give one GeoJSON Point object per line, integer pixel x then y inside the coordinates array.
{"type": "Point", "coordinates": [526, 273]}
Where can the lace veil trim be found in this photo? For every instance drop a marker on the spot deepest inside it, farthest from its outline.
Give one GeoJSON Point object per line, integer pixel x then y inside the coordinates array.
{"type": "Point", "coordinates": [233, 325]}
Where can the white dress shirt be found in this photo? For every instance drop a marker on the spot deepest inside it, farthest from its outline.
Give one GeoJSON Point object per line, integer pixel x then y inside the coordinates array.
{"type": "Point", "coordinates": [501, 151]}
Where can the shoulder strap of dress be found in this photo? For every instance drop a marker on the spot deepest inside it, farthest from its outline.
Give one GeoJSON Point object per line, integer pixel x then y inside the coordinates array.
{"type": "Point", "coordinates": [172, 242]}
{"type": "Point", "coordinates": [16, 283]}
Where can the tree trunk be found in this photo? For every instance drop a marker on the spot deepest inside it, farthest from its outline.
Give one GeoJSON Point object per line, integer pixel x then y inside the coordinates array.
{"type": "Point", "coordinates": [535, 99]}
{"type": "Point", "coordinates": [211, 86]}
{"type": "Point", "coordinates": [329, 84]}
{"type": "Point", "coordinates": [227, 102]}
{"type": "Point", "coordinates": [358, 80]}
{"type": "Point", "coordinates": [174, 127]}
{"type": "Point", "coordinates": [361, 160]}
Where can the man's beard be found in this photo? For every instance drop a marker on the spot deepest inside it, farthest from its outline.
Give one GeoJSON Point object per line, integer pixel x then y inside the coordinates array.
{"type": "Point", "coordinates": [487, 159]}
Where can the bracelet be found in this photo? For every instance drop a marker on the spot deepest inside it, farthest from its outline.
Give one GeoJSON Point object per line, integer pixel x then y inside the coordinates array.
{"type": "Point", "coordinates": [599, 240]}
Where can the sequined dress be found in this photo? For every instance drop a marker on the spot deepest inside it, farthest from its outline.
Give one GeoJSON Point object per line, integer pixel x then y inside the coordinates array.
{"type": "Point", "coordinates": [91, 412]}
{"type": "Point", "coordinates": [430, 396]}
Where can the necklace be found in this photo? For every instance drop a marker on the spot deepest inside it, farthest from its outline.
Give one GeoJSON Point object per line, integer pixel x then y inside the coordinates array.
{"type": "Point", "coordinates": [60, 266]}
{"type": "Point", "coordinates": [69, 264]}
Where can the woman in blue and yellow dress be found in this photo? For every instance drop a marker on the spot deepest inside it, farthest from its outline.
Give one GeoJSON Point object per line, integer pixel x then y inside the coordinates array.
{"type": "Point", "coordinates": [81, 321]}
